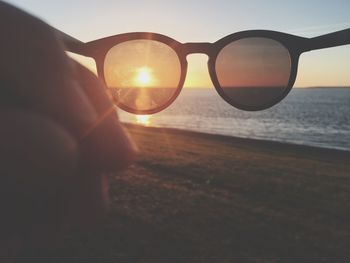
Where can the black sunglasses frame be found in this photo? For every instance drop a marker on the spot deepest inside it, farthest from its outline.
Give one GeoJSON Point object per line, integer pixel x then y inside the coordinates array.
{"type": "Point", "coordinates": [296, 45]}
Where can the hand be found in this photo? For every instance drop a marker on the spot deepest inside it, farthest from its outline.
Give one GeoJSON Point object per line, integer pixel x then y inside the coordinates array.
{"type": "Point", "coordinates": [59, 137]}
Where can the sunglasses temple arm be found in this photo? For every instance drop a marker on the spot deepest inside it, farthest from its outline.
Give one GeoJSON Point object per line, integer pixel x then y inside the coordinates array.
{"type": "Point", "coordinates": [72, 44]}
{"type": "Point", "coordinates": [334, 39]}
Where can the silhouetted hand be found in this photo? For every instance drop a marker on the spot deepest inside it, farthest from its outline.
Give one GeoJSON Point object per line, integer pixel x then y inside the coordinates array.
{"type": "Point", "coordinates": [59, 136]}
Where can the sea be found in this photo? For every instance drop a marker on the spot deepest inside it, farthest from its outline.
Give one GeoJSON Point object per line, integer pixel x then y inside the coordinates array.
{"type": "Point", "coordinates": [307, 116]}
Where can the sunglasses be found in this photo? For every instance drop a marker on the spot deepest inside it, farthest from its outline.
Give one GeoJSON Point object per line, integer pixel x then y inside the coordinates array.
{"type": "Point", "coordinates": [251, 70]}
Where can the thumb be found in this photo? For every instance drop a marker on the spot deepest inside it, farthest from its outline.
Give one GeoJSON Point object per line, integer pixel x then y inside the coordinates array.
{"type": "Point", "coordinates": [37, 155]}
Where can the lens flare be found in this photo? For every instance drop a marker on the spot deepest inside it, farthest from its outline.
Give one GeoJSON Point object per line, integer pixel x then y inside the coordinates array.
{"type": "Point", "coordinates": [144, 74]}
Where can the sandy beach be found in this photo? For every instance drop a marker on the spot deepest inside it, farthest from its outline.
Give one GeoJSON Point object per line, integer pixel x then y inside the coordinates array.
{"type": "Point", "coordinates": [193, 197]}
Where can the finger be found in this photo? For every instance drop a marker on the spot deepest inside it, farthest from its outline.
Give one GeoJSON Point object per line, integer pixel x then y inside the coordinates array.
{"type": "Point", "coordinates": [36, 69]}
{"type": "Point", "coordinates": [106, 144]}
{"type": "Point", "coordinates": [36, 167]}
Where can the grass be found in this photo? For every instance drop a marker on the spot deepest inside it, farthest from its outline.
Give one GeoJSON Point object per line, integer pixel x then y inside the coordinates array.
{"type": "Point", "coordinates": [193, 197]}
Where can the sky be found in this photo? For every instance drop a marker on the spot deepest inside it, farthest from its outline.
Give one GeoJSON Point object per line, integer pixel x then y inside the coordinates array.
{"type": "Point", "coordinates": [208, 21]}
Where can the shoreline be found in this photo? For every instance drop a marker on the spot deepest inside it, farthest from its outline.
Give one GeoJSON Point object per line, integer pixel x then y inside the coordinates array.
{"type": "Point", "coordinates": [296, 120]}
{"type": "Point", "coordinates": [298, 148]}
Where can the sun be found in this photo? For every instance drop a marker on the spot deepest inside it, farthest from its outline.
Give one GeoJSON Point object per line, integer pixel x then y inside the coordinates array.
{"type": "Point", "coordinates": [143, 77]}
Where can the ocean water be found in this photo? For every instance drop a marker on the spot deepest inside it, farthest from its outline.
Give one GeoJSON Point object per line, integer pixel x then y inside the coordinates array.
{"type": "Point", "coordinates": [315, 116]}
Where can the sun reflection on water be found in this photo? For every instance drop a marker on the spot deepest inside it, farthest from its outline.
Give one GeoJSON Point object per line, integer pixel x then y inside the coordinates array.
{"type": "Point", "coordinates": [143, 119]}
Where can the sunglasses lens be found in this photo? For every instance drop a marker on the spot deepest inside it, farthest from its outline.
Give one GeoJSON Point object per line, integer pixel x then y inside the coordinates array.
{"type": "Point", "coordinates": [253, 72]}
{"type": "Point", "coordinates": [143, 75]}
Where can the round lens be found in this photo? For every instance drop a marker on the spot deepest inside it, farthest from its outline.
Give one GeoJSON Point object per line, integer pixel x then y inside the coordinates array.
{"type": "Point", "coordinates": [253, 72]}
{"type": "Point", "coordinates": [143, 75]}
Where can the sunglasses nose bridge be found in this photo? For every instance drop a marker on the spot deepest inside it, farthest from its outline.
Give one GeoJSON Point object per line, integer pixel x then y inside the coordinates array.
{"type": "Point", "coordinates": [191, 48]}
